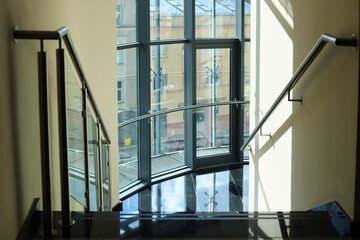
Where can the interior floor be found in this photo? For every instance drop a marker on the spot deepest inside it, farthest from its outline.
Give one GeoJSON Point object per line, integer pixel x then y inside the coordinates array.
{"type": "Point", "coordinates": [221, 191]}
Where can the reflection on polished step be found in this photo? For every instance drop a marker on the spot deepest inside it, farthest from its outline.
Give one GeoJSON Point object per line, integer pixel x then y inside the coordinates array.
{"type": "Point", "coordinates": [197, 206]}
{"type": "Point", "coordinates": [223, 191]}
{"type": "Point", "coordinates": [325, 222]}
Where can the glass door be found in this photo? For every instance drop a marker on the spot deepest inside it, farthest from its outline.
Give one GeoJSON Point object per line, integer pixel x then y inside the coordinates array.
{"type": "Point", "coordinates": [215, 128]}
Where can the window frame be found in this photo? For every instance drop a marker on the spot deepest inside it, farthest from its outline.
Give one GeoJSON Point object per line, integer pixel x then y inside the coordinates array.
{"type": "Point", "coordinates": [191, 44]}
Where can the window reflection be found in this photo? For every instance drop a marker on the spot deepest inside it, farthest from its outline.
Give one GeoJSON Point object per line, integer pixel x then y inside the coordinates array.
{"type": "Point", "coordinates": [168, 196]}
{"type": "Point", "coordinates": [225, 191]}
{"type": "Point", "coordinates": [213, 192]}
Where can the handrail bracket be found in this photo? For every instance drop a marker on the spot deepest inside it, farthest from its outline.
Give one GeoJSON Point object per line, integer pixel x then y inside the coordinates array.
{"type": "Point", "coordinates": [265, 134]}
{"type": "Point", "coordinates": [319, 45]}
{"type": "Point", "coordinates": [294, 99]}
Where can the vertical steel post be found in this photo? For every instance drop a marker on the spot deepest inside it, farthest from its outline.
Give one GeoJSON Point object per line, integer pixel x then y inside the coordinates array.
{"type": "Point", "coordinates": [86, 146]}
{"type": "Point", "coordinates": [48, 230]}
{"type": "Point", "coordinates": [63, 140]}
{"type": "Point", "coordinates": [101, 199]}
{"type": "Point", "coordinates": [108, 170]}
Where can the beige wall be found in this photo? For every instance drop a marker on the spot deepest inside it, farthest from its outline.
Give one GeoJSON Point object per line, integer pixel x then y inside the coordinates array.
{"type": "Point", "coordinates": [310, 158]}
{"type": "Point", "coordinates": [93, 28]}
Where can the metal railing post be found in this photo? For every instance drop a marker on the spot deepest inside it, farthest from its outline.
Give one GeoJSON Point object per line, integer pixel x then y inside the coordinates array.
{"type": "Point", "coordinates": [63, 145]}
{"type": "Point", "coordinates": [108, 169]}
{"type": "Point", "coordinates": [101, 199]}
{"type": "Point", "coordinates": [48, 230]}
{"type": "Point", "coordinates": [86, 147]}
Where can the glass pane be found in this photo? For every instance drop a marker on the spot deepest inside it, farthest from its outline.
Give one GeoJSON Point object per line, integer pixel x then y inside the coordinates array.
{"type": "Point", "coordinates": [215, 18]}
{"type": "Point", "coordinates": [167, 91]}
{"type": "Point", "coordinates": [75, 135]}
{"type": "Point", "coordinates": [93, 163]}
{"type": "Point", "coordinates": [127, 78]}
{"type": "Point", "coordinates": [126, 21]}
{"type": "Point", "coordinates": [166, 19]}
{"type": "Point", "coordinates": [246, 95]}
{"type": "Point", "coordinates": [247, 25]}
{"type": "Point", "coordinates": [212, 85]}
{"type": "Point", "coordinates": [105, 175]}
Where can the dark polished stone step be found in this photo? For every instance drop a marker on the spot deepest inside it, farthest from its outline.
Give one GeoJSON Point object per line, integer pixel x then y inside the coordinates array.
{"type": "Point", "coordinates": [325, 222]}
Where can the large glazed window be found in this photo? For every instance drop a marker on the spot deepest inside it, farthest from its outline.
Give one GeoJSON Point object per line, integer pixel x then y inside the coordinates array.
{"type": "Point", "coordinates": [126, 15]}
{"type": "Point", "coordinates": [167, 91]}
{"type": "Point", "coordinates": [177, 53]}
{"type": "Point", "coordinates": [212, 85]}
{"type": "Point", "coordinates": [166, 19]}
{"type": "Point", "coordinates": [127, 109]}
{"type": "Point", "coordinates": [215, 18]}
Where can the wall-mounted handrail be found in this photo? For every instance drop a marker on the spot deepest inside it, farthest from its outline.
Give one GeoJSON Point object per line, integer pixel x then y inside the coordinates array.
{"type": "Point", "coordinates": [150, 115]}
{"type": "Point", "coordinates": [320, 44]}
{"type": "Point", "coordinates": [63, 33]}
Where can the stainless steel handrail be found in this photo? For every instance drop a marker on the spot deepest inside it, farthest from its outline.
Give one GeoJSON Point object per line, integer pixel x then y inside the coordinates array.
{"type": "Point", "coordinates": [63, 33]}
{"type": "Point", "coordinates": [150, 115]}
{"type": "Point", "coordinates": [320, 44]}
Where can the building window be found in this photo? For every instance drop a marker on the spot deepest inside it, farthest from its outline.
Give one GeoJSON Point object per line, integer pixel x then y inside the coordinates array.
{"type": "Point", "coordinates": [164, 82]}
{"type": "Point", "coordinates": [212, 75]}
{"type": "Point", "coordinates": [119, 91]}
{"type": "Point", "coordinates": [163, 51]}
{"type": "Point", "coordinates": [118, 16]}
{"type": "Point", "coordinates": [163, 125]}
{"type": "Point", "coordinates": [120, 57]}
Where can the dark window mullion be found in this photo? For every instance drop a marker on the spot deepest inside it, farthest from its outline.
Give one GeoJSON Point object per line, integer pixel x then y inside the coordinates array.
{"type": "Point", "coordinates": [190, 83]}
{"type": "Point", "coordinates": [144, 90]}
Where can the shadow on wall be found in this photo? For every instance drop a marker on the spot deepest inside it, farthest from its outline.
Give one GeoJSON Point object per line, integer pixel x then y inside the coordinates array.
{"type": "Point", "coordinates": [310, 158]}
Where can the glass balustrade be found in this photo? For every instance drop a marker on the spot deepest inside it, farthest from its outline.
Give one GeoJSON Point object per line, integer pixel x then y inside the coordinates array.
{"type": "Point", "coordinates": [94, 174]}
{"type": "Point", "coordinates": [105, 175]}
{"type": "Point", "coordinates": [75, 135]}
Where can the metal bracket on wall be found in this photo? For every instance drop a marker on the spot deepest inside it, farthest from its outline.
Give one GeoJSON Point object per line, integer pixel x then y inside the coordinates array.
{"type": "Point", "coordinates": [17, 28]}
{"type": "Point", "coordinates": [294, 100]}
{"type": "Point", "coordinates": [354, 37]}
{"type": "Point", "coordinates": [264, 135]}
{"type": "Point", "coordinates": [248, 148]}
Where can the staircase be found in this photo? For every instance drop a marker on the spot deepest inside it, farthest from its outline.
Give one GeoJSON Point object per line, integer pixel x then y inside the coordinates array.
{"type": "Point", "coordinates": [324, 222]}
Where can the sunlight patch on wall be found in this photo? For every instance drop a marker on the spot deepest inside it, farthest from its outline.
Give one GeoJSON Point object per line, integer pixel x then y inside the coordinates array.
{"type": "Point", "coordinates": [285, 8]}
